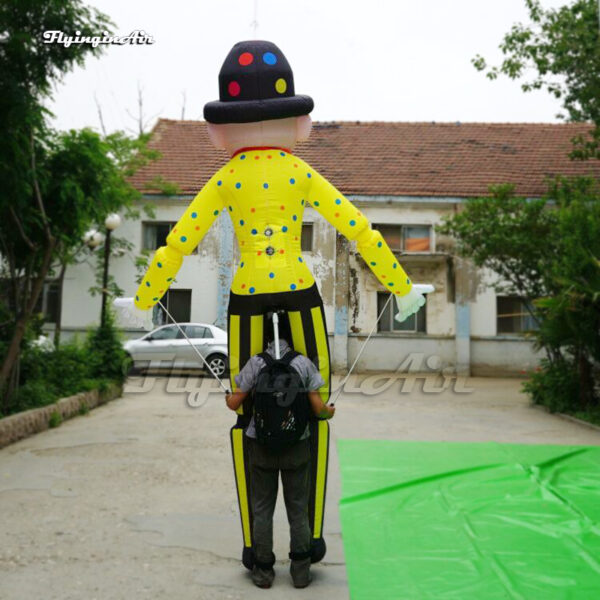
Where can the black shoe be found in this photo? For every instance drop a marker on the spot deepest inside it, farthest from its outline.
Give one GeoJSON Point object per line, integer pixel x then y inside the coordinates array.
{"type": "Point", "coordinates": [262, 578]}
{"type": "Point", "coordinates": [300, 571]}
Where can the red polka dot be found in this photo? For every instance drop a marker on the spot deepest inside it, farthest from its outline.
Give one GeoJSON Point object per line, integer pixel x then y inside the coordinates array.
{"type": "Point", "coordinates": [243, 242]}
{"type": "Point", "coordinates": [383, 277]}
{"type": "Point", "coordinates": [197, 227]}
{"type": "Point", "coordinates": [252, 210]}
{"type": "Point", "coordinates": [231, 170]}
{"type": "Point", "coordinates": [358, 213]}
{"type": "Point", "coordinates": [337, 214]}
{"type": "Point", "coordinates": [233, 88]}
{"type": "Point", "coordinates": [161, 291]}
{"type": "Point", "coordinates": [282, 207]}
{"type": "Point", "coordinates": [245, 59]}
{"type": "Point", "coordinates": [296, 165]}
{"type": "Point", "coordinates": [256, 157]}
{"type": "Point", "coordinates": [296, 238]}
{"type": "Point", "coordinates": [243, 285]}
{"type": "Point", "coordinates": [301, 280]}
{"type": "Point", "coordinates": [259, 252]}
{"type": "Point", "coordinates": [175, 230]}
{"type": "Point", "coordinates": [281, 251]}
{"type": "Point", "coordinates": [269, 156]}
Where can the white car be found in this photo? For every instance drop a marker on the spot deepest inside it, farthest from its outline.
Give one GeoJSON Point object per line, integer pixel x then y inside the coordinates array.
{"type": "Point", "coordinates": [166, 347]}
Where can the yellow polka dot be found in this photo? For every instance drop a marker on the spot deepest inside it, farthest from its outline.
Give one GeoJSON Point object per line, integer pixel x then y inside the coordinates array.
{"type": "Point", "coordinates": [281, 85]}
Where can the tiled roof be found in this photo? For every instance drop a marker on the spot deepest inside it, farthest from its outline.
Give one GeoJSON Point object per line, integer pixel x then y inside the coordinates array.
{"type": "Point", "coordinates": [400, 159]}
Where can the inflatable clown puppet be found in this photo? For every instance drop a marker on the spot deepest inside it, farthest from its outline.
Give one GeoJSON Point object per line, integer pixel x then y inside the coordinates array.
{"type": "Point", "coordinates": [265, 188]}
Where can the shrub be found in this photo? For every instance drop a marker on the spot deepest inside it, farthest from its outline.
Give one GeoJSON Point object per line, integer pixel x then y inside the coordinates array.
{"type": "Point", "coordinates": [555, 385]}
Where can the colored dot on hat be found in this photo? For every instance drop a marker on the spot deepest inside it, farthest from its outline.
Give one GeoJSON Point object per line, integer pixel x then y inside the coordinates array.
{"type": "Point", "coordinates": [271, 275]}
{"type": "Point", "coordinates": [238, 185]}
{"type": "Point", "coordinates": [197, 228]}
{"type": "Point", "coordinates": [302, 202]}
{"type": "Point", "coordinates": [233, 88]}
{"type": "Point", "coordinates": [280, 86]}
{"type": "Point", "coordinates": [269, 58]}
{"type": "Point", "coordinates": [252, 290]}
{"type": "Point", "coordinates": [352, 223]}
{"type": "Point", "coordinates": [292, 181]}
{"type": "Point", "coordinates": [245, 59]}
{"type": "Point", "coordinates": [293, 286]}
{"type": "Point", "coordinates": [194, 215]}
{"type": "Point", "coordinates": [243, 285]}
{"type": "Point", "coordinates": [231, 170]}
{"type": "Point", "coordinates": [266, 186]}
{"type": "Point", "coordinates": [215, 212]}
{"type": "Point", "coordinates": [284, 229]}
{"type": "Point", "coordinates": [256, 157]}
{"type": "Point", "coordinates": [282, 153]}
{"type": "Point", "coordinates": [281, 251]}
{"type": "Point", "coordinates": [338, 201]}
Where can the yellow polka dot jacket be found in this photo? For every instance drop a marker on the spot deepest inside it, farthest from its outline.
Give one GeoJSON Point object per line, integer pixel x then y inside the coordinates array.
{"type": "Point", "coordinates": [265, 192]}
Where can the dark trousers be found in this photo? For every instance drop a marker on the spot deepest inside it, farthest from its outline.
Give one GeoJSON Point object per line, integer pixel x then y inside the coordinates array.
{"type": "Point", "coordinates": [294, 466]}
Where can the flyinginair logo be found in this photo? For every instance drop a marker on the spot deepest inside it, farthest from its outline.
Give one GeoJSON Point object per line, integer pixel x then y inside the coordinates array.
{"type": "Point", "coordinates": [136, 38]}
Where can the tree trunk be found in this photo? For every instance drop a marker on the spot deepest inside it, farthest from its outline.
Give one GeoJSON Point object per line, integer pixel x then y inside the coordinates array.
{"type": "Point", "coordinates": [14, 347]}
{"type": "Point", "coordinates": [58, 324]}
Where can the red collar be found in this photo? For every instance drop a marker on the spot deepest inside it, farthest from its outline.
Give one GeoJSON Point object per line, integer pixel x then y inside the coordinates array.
{"type": "Point", "coordinates": [248, 148]}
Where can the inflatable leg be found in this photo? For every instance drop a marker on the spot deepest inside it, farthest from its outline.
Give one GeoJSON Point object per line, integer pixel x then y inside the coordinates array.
{"type": "Point", "coordinates": [319, 436]}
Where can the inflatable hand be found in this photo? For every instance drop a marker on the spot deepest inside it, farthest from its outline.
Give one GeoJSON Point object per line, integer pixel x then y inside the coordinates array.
{"type": "Point", "coordinates": [131, 315]}
{"type": "Point", "coordinates": [410, 303]}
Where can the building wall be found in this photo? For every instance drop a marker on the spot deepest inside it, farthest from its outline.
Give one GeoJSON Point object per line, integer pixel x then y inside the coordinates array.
{"type": "Point", "coordinates": [208, 274]}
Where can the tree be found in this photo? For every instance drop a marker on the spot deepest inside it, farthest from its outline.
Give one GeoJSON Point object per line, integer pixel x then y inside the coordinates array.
{"type": "Point", "coordinates": [559, 52]}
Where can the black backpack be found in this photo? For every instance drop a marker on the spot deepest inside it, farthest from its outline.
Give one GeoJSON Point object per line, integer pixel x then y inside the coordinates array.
{"type": "Point", "coordinates": [281, 406]}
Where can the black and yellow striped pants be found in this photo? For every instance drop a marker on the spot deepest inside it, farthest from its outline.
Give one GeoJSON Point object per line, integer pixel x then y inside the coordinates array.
{"type": "Point", "coordinates": [246, 326]}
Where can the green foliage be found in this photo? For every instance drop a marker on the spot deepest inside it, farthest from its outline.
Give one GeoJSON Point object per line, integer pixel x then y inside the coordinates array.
{"type": "Point", "coordinates": [548, 252]}
{"type": "Point", "coordinates": [559, 51]}
{"type": "Point", "coordinates": [55, 419]}
{"type": "Point", "coordinates": [106, 357]}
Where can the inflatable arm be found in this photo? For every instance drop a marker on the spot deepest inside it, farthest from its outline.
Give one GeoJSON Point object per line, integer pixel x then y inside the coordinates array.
{"type": "Point", "coordinates": [352, 224]}
{"type": "Point", "coordinates": [182, 240]}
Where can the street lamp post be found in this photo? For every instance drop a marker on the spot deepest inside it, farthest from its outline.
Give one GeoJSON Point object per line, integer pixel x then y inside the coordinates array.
{"type": "Point", "coordinates": [111, 223]}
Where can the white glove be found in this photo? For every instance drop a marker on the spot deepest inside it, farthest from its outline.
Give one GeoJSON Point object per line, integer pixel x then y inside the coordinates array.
{"type": "Point", "coordinates": [131, 315]}
{"type": "Point", "coordinates": [412, 302]}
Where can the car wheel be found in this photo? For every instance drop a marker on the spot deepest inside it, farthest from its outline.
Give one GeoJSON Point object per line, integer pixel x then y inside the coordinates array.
{"type": "Point", "coordinates": [218, 364]}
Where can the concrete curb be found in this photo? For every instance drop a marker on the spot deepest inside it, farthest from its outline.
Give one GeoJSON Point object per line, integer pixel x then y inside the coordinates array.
{"type": "Point", "coordinates": [21, 425]}
{"type": "Point", "coordinates": [578, 421]}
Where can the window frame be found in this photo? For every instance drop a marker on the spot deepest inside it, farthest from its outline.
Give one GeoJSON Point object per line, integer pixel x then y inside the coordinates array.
{"type": "Point", "coordinates": [311, 225]}
{"type": "Point", "coordinates": [403, 227]}
{"type": "Point", "coordinates": [523, 315]}
{"type": "Point", "coordinates": [420, 317]}
{"type": "Point", "coordinates": [171, 224]}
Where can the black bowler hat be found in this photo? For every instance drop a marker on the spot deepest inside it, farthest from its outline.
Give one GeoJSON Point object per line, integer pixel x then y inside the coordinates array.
{"type": "Point", "coordinates": [256, 83]}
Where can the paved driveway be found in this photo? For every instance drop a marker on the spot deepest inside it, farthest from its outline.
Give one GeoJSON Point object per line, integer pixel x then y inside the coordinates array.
{"type": "Point", "coordinates": [137, 498]}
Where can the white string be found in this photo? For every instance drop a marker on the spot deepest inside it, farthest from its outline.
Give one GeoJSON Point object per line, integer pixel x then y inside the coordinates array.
{"type": "Point", "coordinates": [341, 386]}
{"type": "Point", "coordinates": [194, 347]}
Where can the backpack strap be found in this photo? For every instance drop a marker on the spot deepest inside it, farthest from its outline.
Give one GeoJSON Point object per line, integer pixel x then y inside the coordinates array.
{"type": "Point", "coordinates": [267, 358]}
{"type": "Point", "coordinates": [289, 357]}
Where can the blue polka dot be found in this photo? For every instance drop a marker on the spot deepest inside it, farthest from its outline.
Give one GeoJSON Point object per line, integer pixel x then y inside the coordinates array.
{"type": "Point", "coordinates": [292, 181]}
{"type": "Point", "coordinates": [266, 186]}
{"type": "Point", "coordinates": [302, 202]}
{"type": "Point", "coordinates": [294, 218]}
{"type": "Point", "coordinates": [271, 275]}
{"type": "Point", "coordinates": [241, 264]}
{"type": "Point", "coordinates": [282, 153]}
{"type": "Point", "coordinates": [169, 279]}
{"type": "Point", "coordinates": [159, 265]}
{"type": "Point", "coordinates": [292, 286]}
{"type": "Point", "coordinates": [284, 229]}
{"type": "Point", "coordinates": [254, 232]}
{"type": "Point", "coordinates": [154, 299]}
{"type": "Point", "coordinates": [300, 259]}
{"type": "Point", "coordinates": [373, 263]}
{"type": "Point", "coordinates": [395, 265]}
{"type": "Point", "coordinates": [242, 157]}
{"type": "Point", "coordinates": [215, 212]}
{"type": "Point", "coordinates": [352, 223]}
{"type": "Point", "coordinates": [219, 182]}
{"type": "Point", "coordinates": [338, 201]}
{"type": "Point", "coordinates": [408, 281]}
{"type": "Point", "coordinates": [269, 58]}
{"type": "Point", "coordinates": [316, 203]}
{"type": "Point", "coordinates": [390, 284]}
{"type": "Point", "coordinates": [241, 221]}
{"type": "Point", "coordinates": [379, 244]}
{"type": "Point", "coordinates": [194, 215]}
{"type": "Point", "coordinates": [183, 238]}
{"type": "Point", "coordinates": [252, 290]}
{"type": "Point", "coordinates": [147, 284]}
{"type": "Point", "coordinates": [137, 297]}
{"type": "Point", "coordinates": [238, 185]}
{"type": "Point", "coordinates": [230, 208]}
{"type": "Point", "coordinates": [309, 175]}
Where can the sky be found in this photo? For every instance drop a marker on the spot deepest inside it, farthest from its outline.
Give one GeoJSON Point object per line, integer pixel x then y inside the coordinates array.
{"type": "Point", "coordinates": [381, 60]}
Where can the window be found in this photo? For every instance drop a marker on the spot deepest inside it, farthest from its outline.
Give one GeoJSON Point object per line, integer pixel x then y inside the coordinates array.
{"type": "Point", "coordinates": [178, 303]}
{"type": "Point", "coordinates": [406, 238]}
{"type": "Point", "coordinates": [166, 333]}
{"type": "Point", "coordinates": [197, 331]}
{"type": "Point", "coordinates": [154, 235]}
{"type": "Point", "coordinates": [513, 316]}
{"type": "Point", "coordinates": [49, 302]}
{"type": "Point", "coordinates": [306, 238]}
{"type": "Point", "coordinates": [416, 323]}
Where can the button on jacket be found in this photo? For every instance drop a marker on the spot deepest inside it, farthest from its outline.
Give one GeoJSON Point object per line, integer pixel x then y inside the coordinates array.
{"type": "Point", "coordinates": [265, 192]}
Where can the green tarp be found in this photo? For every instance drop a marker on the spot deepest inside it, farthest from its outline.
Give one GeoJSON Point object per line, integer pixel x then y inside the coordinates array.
{"type": "Point", "coordinates": [461, 521]}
